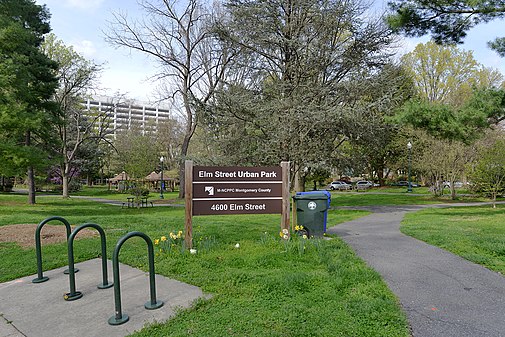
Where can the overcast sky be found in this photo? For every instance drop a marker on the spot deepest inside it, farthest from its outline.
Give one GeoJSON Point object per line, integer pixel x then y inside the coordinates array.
{"type": "Point", "coordinates": [80, 23]}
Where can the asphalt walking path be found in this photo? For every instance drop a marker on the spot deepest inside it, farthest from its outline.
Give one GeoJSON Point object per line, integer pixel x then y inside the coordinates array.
{"type": "Point", "coordinates": [441, 293]}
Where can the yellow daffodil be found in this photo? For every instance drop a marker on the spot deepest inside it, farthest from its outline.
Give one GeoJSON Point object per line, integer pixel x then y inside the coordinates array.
{"type": "Point", "coordinates": [156, 241]}
{"type": "Point", "coordinates": [179, 234]}
{"type": "Point", "coordinates": [281, 234]}
{"type": "Point", "coordinates": [163, 238]}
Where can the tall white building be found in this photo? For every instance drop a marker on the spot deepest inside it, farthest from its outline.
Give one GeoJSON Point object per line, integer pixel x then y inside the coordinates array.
{"type": "Point", "coordinates": [123, 115]}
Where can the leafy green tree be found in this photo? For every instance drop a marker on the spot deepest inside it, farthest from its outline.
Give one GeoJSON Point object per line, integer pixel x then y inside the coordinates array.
{"type": "Point", "coordinates": [490, 102]}
{"type": "Point", "coordinates": [170, 135]}
{"type": "Point", "coordinates": [456, 98]}
{"type": "Point", "coordinates": [381, 141]}
{"type": "Point", "coordinates": [487, 174]}
{"type": "Point", "coordinates": [441, 160]}
{"type": "Point", "coordinates": [447, 74]}
{"type": "Point", "coordinates": [28, 83]}
{"type": "Point", "coordinates": [446, 21]}
{"type": "Point", "coordinates": [439, 72]}
{"type": "Point", "coordinates": [137, 153]}
{"type": "Point", "coordinates": [465, 124]}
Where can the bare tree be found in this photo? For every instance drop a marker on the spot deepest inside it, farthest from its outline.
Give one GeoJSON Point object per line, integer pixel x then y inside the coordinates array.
{"type": "Point", "coordinates": [77, 76]}
{"type": "Point", "coordinates": [178, 36]}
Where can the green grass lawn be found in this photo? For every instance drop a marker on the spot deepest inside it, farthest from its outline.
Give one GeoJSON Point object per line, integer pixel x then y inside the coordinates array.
{"type": "Point", "coordinates": [373, 197]}
{"type": "Point", "coordinates": [112, 194]}
{"type": "Point", "coordinates": [267, 287]}
{"type": "Point", "coordinates": [474, 233]}
{"type": "Point", "coordinates": [415, 190]}
{"type": "Point", "coordinates": [400, 189]}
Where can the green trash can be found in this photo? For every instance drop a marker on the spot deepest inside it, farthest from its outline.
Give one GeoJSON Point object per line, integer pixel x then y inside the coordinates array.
{"type": "Point", "coordinates": [312, 211]}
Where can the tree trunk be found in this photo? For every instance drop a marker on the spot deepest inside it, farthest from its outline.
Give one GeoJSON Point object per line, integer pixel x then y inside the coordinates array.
{"type": "Point", "coordinates": [65, 172]}
{"type": "Point", "coordinates": [190, 129]}
{"type": "Point", "coordinates": [437, 189]}
{"type": "Point", "coordinates": [64, 181]}
{"type": "Point", "coordinates": [380, 176]}
{"type": "Point", "coordinates": [31, 185]}
{"type": "Point", "coordinates": [297, 185]}
{"type": "Point", "coordinates": [30, 175]}
{"type": "Point", "coordinates": [182, 176]}
{"type": "Point", "coordinates": [65, 168]}
{"type": "Point", "coordinates": [453, 191]}
{"type": "Point", "coordinates": [303, 180]}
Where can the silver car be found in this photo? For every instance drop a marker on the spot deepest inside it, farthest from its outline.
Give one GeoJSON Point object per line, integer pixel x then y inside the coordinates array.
{"type": "Point", "coordinates": [339, 186]}
{"type": "Point", "coordinates": [364, 185]}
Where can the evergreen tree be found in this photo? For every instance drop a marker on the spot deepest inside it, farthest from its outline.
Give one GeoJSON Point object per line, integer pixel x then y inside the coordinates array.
{"type": "Point", "coordinates": [446, 21]}
{"type": "Point", "coordinates": [27, 84]}
{"type": "Point", "coordinates": [297, 90]}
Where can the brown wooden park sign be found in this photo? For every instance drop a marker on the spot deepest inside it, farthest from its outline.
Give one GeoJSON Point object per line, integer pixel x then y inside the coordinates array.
{"type": "Point", "coordinates": [218, 190]}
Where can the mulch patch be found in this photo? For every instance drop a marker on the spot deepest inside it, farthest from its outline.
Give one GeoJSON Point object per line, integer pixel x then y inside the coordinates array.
{"type": "Point", "coordinates": [24, 235]}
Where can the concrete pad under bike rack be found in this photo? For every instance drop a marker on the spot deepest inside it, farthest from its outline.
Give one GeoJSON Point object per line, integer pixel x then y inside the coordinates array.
{"type": "Point", "coordinates": [29, 309]}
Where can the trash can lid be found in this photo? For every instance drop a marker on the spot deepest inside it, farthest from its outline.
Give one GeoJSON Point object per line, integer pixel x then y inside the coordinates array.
{"type": "Point", "coordinates": [312, 195]}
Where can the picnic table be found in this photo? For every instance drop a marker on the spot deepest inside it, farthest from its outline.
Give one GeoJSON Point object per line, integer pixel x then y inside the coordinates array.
{"type": "Point", "coordinates": [144, 202]}
{"type": "Point", "coordinates": [130, 202]}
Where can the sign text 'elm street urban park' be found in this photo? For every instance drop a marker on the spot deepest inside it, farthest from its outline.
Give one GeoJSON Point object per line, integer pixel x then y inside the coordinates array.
{"type": "Point", "coordinates": [237, 190]}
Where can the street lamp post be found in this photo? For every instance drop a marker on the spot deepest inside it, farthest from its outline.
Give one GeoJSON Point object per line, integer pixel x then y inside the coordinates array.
{"type": "Point", "coordinates": [162, 159]}
{"type": "Point", "coordinates": [409, 146]}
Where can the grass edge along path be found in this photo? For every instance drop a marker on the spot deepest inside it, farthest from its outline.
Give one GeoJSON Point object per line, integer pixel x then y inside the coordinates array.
{"type": "Point", "coordinates": [275, 288]}
{"type": "Point", "coordinates": [474, 233]}
{"type": "Point", "coordinates": [266, 287]}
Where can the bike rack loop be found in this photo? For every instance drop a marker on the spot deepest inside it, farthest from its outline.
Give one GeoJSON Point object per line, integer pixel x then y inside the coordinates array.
{"type": "Point", "coordinates": [38, 247]}
{"type": "Point", "coordinates": [73, 294]}
{"type": "Point", "coordinates": [119, 317]}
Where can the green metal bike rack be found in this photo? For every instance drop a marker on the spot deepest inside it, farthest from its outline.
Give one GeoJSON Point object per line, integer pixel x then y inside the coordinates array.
{"type": "Point", "coordinates": [119, 317]}
{"type": "Point", "coordinates": [38, 247]}
{"type": "Point", "coordinates": [73, 294]}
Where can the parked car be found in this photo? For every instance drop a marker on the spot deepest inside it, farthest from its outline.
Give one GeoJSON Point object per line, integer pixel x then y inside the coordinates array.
{"type": "Point", "coordinates": [404, 183]}
{"type": "Point", "coordinates": [339, 186]}
{"type": "Point", "coordinates": [363, 185]}
{"type": "Point", "coordinates": [457, 184]}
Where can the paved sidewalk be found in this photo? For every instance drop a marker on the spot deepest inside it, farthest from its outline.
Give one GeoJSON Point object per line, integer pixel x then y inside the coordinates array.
{"type": "Point", "coordinates": [441, 293]}
{"type": "Point", "coordinates": [39, 310]}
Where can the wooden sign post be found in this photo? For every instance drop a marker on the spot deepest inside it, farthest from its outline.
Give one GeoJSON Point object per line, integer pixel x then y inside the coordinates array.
{"type": "Point", "coordinates": [215, 190]}
{"type": "Point", "coordinates": [285, 196]}
{"type": "Point", "coordinates": [188, 196]}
